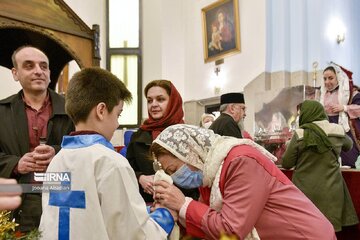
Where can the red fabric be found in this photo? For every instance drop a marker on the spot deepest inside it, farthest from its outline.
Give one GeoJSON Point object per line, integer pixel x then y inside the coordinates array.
{"type": "Point", "coordinates": [37, 120]}
{"type": "Point", "coordinates": [269, 166]}
{"type": "Point", "coordinates": [351, 84]}
{"type": "Point", "coordinates": [226, 34]}
{"type": "Point", "coordinates": [86, 132]}
{"type": "Point", "coordinates": [348, 72]}
{"type": "Point", "coordinates": [198, 211]}
{"type": "Point", "coordinates": [277, 210]}
{"type": "Point", "coordinates": [247, 135]}
{"type": "Point", "coordinates": [248, 151]}
{"type": "Point", "coordinates": [205, 195]}
{"type": "Point", "coordinates": [174, 115]}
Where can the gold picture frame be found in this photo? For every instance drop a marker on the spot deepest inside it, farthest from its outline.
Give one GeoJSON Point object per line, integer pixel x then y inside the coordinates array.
{"type": "Point", "coordinates": [221, 29]}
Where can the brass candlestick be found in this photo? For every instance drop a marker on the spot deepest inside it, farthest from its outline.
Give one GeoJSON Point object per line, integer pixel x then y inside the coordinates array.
{"type": "Point", "coordinates": [315, 65]}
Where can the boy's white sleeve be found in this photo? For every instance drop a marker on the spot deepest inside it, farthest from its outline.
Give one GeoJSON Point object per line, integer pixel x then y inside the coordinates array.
{"type": "Point", "coordinates": [123, 208]}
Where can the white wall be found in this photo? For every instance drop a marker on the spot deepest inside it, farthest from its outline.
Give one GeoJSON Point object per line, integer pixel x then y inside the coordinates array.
{"type": "Point", "coordinates": [93, 13]}
{"type": "Point", "coordinates": [298, 35]}
{"type": "Point", "coordinates": [163, 43]}
{"type": "Point", "coordinates": [238, 70]}
{"type": "Point", "coordinates": [8, 85]}
{"type": "Point", "coordinates": [173, 48]}
{"type": "Point", "coordinates": [173, 43]}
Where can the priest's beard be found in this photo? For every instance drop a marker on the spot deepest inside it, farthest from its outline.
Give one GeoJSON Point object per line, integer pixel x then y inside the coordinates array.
{"type": "Point", "coordinates": [241, 124]}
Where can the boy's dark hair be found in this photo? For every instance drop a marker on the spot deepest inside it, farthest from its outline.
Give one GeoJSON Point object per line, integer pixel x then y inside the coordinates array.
{"type": "Point", "coordinates": [165, 84]}
{"type": "Point", "coordinates": [91, 86]}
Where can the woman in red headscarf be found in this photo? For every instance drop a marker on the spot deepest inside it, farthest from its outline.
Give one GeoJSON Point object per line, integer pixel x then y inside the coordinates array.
{"type": "Point", "coordinates": [164, 105]}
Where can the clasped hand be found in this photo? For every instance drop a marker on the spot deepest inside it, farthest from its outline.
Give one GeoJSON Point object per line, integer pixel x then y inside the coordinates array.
{"type": "Point", "coordinates": [37, 160]}
{"type": "Point", "coordinates": [146, 182]}
{"type": "Point", "coordinates": [168, 195]}
{"type": "Point", "coordinates": [335, 108]}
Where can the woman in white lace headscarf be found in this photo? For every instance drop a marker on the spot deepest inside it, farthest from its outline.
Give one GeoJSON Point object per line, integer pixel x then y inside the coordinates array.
{"type": "Point", "coordinates": [240, 187]}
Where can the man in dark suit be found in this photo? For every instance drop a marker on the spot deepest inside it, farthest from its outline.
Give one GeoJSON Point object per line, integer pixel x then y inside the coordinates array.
{"type": "Point", "coordinates": [33, 122]}
{"type": "Point", "coordinates": [232, 109]}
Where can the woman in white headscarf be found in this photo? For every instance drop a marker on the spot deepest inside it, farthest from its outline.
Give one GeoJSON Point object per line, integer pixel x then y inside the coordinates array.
{"type": "Point", "coordinates": [342, 105]}
{"type": "Point", "coordinates": [240, 187]}
{"type": "Point", "coordinates": [206, 120]}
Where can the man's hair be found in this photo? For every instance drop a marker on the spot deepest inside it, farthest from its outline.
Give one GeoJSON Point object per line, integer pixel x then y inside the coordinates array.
{"type": "Point", "coordinates": [165, 84]}
{"type": "Point", "coordinates": [91, 86]}
{"type": "Point", "coordinates": [223, 107]}
{"type": "Point", "coordinates": [13, 56]}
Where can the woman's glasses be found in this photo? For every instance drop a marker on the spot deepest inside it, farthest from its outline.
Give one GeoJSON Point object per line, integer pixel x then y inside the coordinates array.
{"type": "Point", "coordinates": [156, 164]}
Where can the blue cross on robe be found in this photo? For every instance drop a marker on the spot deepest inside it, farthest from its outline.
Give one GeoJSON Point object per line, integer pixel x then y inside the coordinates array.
{"type": "Point", "coordinates": [66, 200]}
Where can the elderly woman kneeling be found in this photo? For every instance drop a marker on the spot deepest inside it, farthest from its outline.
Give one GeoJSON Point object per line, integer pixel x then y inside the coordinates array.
{"type": "Point", "coordinates": [242, 191]}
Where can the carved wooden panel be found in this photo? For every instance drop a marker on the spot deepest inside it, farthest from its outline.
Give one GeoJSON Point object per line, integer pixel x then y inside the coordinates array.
{"type": "Point", "coordinates": [51, 26]}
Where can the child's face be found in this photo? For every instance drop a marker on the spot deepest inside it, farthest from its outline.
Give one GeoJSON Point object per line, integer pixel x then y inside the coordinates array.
{"type": "Point", "coordinates": [208, 119]}
{"type": "Point", "coordinates": [111, 120]}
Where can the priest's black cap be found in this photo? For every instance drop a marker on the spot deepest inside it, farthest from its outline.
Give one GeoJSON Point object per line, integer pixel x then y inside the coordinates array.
{"type": "Point", "coordinates": [232, 98]}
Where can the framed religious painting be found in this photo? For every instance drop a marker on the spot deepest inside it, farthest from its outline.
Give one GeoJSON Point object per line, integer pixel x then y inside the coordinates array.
{"type": "Point", "coordinates": [221, 29]}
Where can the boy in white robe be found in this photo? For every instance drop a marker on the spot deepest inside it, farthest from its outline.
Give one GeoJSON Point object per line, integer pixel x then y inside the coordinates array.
{"type": "Point", "coordinates": [104, 200]}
